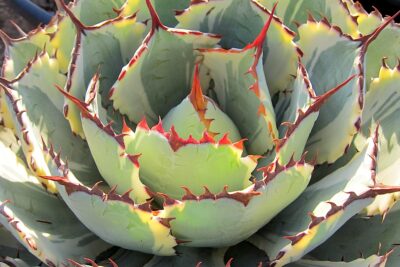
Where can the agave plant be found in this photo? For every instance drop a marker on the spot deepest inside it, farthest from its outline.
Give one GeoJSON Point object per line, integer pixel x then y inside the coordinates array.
{"type": "Point", "coordinates": [229, 133]}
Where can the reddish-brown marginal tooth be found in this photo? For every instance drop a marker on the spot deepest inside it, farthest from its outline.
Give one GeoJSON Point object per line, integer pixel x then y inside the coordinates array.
{"type": "Point", "coordinates": [167, 199]}
{"type": "Point", "coordinates": [188, 194]}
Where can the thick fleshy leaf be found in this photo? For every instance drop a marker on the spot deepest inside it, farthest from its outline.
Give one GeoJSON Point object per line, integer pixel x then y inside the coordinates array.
{"type": "Point", "coordinates": [198, 113]}
{"type": "Point", "coordinates": [10, 247]}
{"type": "Point", "coordinates": [323, 208]}
{"type": "Point", "coordinates": [204, 257]}
{"type": "Point", "coordinates": [19, 52]}
{"type": "Point", "coordinates": [210, 163]}
{"type": "Point", "coordinates": [298, 96]}
{"type": "Point", "coordinates": [38, 219]}
{"type": "Point", "coordinates": [104, 48]}
{"type": "Point", "coordinates": [116, 219]}
{"type": "Point", "coordinates": [15, 262]}
{"type": "Point", "coordinates": [108, 149]}
{"type": "Point", "coordinates": [62, 41]}
{"type": "Point", "coordinates": [300, 116]}
{"type": "Point", "coordinates": [382, 105]}
{"type": "Point", "coordinates": [374, 260]}
{"type": "Point", "coordinates": [93, 12]}
{"type": "Point", "coordinates": [46, 120]}
{"type": "Point", "coordinates": [367, 234]}
{"type": "Point", "coordinates": [164, 53]}
{"type": "Point", "coordinates": [296, 12]}
{"type": "Point", "coordinates": [116, 257]}
{"type": "Point", "coordinates": [388, 38]}
{"type": "Point", "coordinates": [244, 211]}
{"type": "Point", "coordinates": [165, 9]}
{"type": "Point", "coordinates": [113, 217]}
{"type": "Point", "coordinates": [242, 91]}
{"type": "Point", "coordinates": [239, 23]}
{"type": "Point", "coordinates": [330, 58]}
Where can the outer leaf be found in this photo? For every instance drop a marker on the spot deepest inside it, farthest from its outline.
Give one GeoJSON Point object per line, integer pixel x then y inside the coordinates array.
{"type": "Point", "coordinates": [296, 12]}
{"type": "Point", "coordinates": [45, 121]}
{"type": "Point", "coordinates": [328, 67]}
{"type": "Point", "coordinates": [11, 262]}
{"type": "Point", "coordinates": [204, 257]}
{"type": "Point", "coordinates": [294, 140]}
{"type": "Point", "coordinates": [106, 48]}
{"type": "Point", "coordinates": [39, 220]}
{"type": "Point", "coordinates": [382, 105]}
{"type": "Point", "coordinates": [116, 219]}
{"type": "Point", "coordinates": [62, 40]}
{"type": "Point", "coordinates": [108, 149]}
{"type": "Point", "coordinates": [239, 23]}
{"type": "Point", "coordinates": [244, 211]}
{"type": "Point", "coordinates": [243, 93]}
{"type": "Point", "coordinates": [9, 246]}
{"type": "Point", "coordinates": [19, 52]}
{"type": "Point", "coordinates": [388, 38]}
{"type": "Point", "coordinates": [333, 201]}
{"type": "Point", "coordinates": [374, 260]}
{"type": "Point", "coordinates": [370, 235]}
{"type": "Point", "coordinates": [94, 12]}
{"type": "Point", "coordinates": [165, 9]}
{"type": "Point", "coordinates": [163, 53]}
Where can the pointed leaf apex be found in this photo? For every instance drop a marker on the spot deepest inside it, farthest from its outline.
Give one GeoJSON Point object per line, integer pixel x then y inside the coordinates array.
{"type": "Point", "coordinates": [78, 24]}
{"type": "Point", "coordinates": [196, 96]}
{"type": "Point", "coordinates": [79, 103]}
{"type": "Point", "coordinates": [367, 39]}
{"type": "Point", "coordinates": [259, 41]}
{"type": "Point", "coordinates": [320, 100]}
{"type": "Point", "coordinates": [155, 19]}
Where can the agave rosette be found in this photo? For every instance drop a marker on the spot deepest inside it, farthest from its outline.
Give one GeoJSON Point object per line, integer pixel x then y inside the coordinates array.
{"type": "Point", "coordinates": [189, 132]}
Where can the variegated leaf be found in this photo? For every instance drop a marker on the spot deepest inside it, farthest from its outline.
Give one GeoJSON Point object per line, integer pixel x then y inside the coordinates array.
{"type": "Point", "coordinates": [165, 9]}
{"type": "Point", "coordinates": [368, 235]}
{"type": "Point", "coordinates": [45, 121]}
{"type": "Point", "coordinates": [239, 23]}
{"type": "Point", "coordinates": [330, 58]}
{"type": "Point", "coordinates": [247, 208]}
{"type": "Point", "coordinates": [296, 12]}
{"type": "Point", "coordinates": [38, 219]}
{"type": "Point", "coordinates": [330, 203]}
{"type": "Point", "coordinates": [374, 260]}
{"type": "Point", "coordinates": [382, 105]}
{"type": "Point", "coordinates": [164, 52]}
{"type": "Point", "coordinates": [104, 48]}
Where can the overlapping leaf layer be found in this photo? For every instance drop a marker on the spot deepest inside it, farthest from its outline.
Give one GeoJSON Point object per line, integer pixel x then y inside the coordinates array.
{"type": "Point", "coordinates": [201, 133]}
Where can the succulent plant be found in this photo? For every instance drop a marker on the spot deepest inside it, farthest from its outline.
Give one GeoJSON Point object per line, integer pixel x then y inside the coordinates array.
{"type": "Point", "coordinates": [229, 133]}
